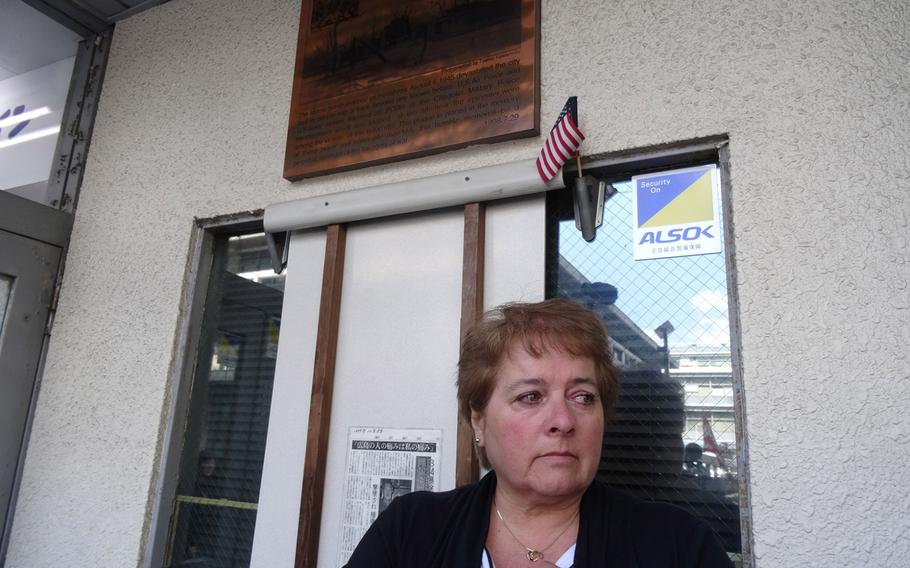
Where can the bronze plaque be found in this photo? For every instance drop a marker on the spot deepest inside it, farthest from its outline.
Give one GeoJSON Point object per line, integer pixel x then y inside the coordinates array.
{"type": "Point", "coordinates": [383, 80]}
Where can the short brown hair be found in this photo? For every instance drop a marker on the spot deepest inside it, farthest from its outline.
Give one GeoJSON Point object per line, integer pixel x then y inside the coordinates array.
{"type": "Point", "coordinates": [555, 324]}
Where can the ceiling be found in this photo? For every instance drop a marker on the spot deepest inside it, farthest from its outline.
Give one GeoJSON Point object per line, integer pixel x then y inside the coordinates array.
{"type": "Point", "coordinates": [35, 33]}
{"type": "Point", "coordinates": [90, 17]}
{"type": "Point", "coordinates": [29, 40]}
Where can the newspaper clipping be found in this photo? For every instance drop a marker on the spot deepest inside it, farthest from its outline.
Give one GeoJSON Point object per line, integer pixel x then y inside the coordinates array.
{"type": "Point", "coordinates": [382, 464]}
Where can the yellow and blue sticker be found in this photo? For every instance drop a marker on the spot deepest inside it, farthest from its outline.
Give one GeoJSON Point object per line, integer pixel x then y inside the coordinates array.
{"type": "Point", "coordinates": [676, 213]}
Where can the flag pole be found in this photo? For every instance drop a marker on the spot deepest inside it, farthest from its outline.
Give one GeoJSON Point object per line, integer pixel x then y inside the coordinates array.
{"type": "Point", "coordinates": [578, 162]}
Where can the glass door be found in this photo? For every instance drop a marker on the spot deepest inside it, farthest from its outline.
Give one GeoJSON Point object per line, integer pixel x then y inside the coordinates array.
{"type": "Point", "coordinates": [27, 272]}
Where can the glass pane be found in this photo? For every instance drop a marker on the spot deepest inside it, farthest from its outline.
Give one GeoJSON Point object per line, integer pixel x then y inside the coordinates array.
{"type": "Point", "coordinates": [6, 287]}
{"type": "Point", "coordinates": [221, 466]}
{"type": "Point", "coordinates": [34, 81]}
{"type": "Point", "coordinates": [672, 437]}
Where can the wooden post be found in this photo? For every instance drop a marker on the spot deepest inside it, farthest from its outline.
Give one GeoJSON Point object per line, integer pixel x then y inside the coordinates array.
{"type": "Point", "coordinates": [312, 491]}
{"type": "Point", "coordinates": [466, 464]}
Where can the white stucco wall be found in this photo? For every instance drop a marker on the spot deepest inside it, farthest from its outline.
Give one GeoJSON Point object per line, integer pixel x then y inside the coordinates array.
{"type": "Point", "coordinates": [814, 97]}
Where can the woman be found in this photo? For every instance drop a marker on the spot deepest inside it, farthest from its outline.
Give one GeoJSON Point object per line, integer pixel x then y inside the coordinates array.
{"type": "Point", "coordinates": [536, 382]}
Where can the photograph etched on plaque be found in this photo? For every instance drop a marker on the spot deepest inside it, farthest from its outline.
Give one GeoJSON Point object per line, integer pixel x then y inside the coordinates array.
{"type": "Point", "coordinates": [377, 81]}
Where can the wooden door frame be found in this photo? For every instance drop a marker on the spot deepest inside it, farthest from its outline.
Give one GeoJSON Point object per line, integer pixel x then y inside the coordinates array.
{"type": "Point", "coordinates": [314, 469]}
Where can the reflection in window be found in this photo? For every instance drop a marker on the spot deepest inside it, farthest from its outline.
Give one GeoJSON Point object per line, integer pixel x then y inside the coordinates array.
{"type": "Point", "coordinates": [214, 512]}
{"type": "Point", "coordinates": [6, 286]}
{"type": "Point", "coordinates": [38, 57]}
{"type": "Point", "coordinates": [672, 437]}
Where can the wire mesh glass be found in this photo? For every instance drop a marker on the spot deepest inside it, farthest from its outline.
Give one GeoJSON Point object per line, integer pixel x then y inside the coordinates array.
{"type": "Point", "coordinates": [214, 512]}
{"type": "Point", "coordinates": [672, 436]}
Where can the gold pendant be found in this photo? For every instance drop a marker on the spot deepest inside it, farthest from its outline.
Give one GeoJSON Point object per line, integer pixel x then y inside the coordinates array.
{"type": "Point", "coordinates": [534, 555]}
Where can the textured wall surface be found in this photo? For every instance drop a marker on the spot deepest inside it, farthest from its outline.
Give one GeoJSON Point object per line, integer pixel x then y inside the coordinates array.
{"type": "Point", "coordinates": [813, 95]}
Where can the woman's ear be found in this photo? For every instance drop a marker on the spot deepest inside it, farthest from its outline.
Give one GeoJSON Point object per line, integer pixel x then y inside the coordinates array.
{"type": "Point", "coordinates": [477, 424]}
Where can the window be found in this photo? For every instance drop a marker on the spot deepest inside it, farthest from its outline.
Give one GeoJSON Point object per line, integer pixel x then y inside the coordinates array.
{"type": "Point", "coordinates": [214, 507]}
{"type": "Point", "coordinates": [673, 435]}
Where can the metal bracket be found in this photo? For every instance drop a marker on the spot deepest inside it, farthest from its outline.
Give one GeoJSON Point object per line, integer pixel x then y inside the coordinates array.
{"type": "Point", "coordinates": [277, 244]}
{"type": "Point", "coordinates": [589, 197]}
{"type": "Point", "coordinates": [78, 120]}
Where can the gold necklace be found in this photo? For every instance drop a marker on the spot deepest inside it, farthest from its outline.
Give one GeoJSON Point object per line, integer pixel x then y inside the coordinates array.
{"type": "Point", "coordinates": [535, 554]}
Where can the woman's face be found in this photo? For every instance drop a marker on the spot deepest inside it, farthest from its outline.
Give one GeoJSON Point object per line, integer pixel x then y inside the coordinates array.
{"type": "Point", "coordinates": [542, 429]}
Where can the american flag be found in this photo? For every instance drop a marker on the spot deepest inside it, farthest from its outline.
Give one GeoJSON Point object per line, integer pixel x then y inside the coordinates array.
{"type": "Point", "coordinates": [710, 443]}
{"type": "Point", "coordinates": [562, 142]}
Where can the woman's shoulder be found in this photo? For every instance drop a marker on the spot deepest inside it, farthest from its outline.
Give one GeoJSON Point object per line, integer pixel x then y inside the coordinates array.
{"type": "Point", "coordinates": [427, 506]}
{"type": "Point", "coordinates": [651, 531]}
{"type": "Point", "coordinates": [419, 526]}
{"type": "Point", "coordinates": [642, 512]}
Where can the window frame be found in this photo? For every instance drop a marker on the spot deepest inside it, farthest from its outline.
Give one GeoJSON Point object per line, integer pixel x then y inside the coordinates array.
{"type": "Point", "coordinates": [622, 166]}
{"type": "Point", "coordinates": [184, 359]}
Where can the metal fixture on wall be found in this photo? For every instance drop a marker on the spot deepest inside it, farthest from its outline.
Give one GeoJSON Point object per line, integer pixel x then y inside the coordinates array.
{"type": "Point", "coordinates": [501, 181]}
{"type": "Point", "coordinates": [589, 197]}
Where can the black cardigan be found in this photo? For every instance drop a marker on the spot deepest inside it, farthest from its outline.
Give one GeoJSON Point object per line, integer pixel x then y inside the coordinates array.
{"type": "Point", "coordinates": [449, 530]}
